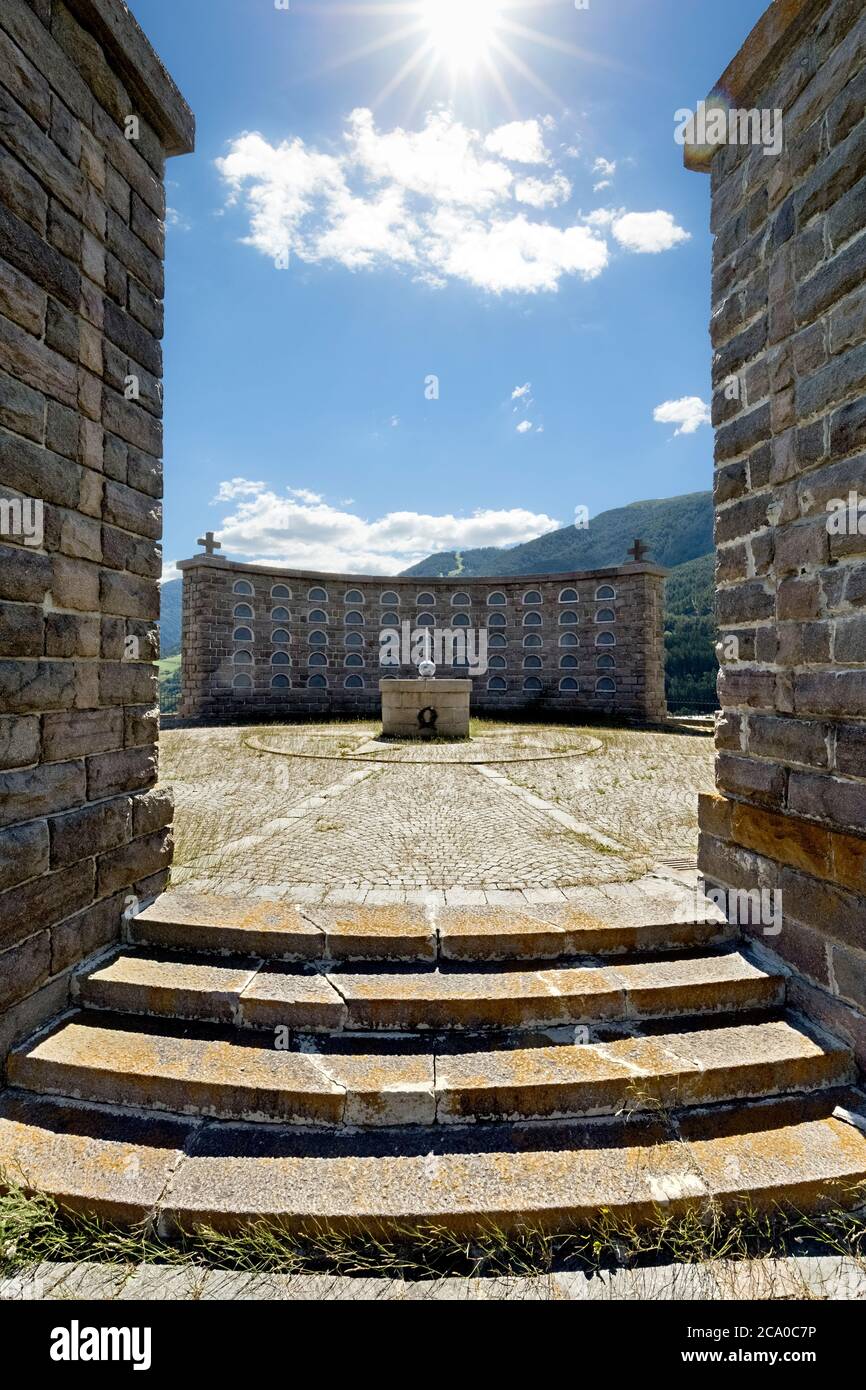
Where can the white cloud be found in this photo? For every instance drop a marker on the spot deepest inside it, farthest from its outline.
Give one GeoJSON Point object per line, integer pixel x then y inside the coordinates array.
{"type": "Point", "coordinates": [173, 218]}
{"type": "Point", "coordinates": [520, 141]}
{"type": "Point", "coordinates": [282, 529]}
{"type": "Point", "coordinates": [688, 413]}
{"type": "Point", "coordinates": [520, 391]}
{"type": "Point", "coordinates": [524, 427]}
{"type": "Point", "coordinates": [601, 217]}
{"type": "Point", "coordinates": [394, 421]}
{"type": "Point", "coordinates": [648, 231]}
{"type": "Point", "coordinates": [438, 203]}
{"type": "Point", "coordinates": [170, 571]}
{"type": "Point", "coordinates": [514, 253]}
{"type": "Point", "coordinates": [304, 494]}
{"type": "Point", "coordinates": [600, 187]}
{"type": "Point", "coordinates": [442, 162]}
{"type": "Point", "coordinates": [237, 487]}
{"type": "Point", "coordinates": [539, 193]}
{"type": "Point", "coordinates": [604, 166]}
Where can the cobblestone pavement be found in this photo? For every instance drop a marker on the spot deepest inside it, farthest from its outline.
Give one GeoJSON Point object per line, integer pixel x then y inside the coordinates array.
{"type": "Point", "coordinates": [333, 816]}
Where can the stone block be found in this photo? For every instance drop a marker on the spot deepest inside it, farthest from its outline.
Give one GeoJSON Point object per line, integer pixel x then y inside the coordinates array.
{"type": "Point", "coordinates": [90, 830]}
{"type": "Point", "coordinates": [114, 773]}
{"type": "Point", "coordinates": [24, 968]}
{"type": "Point", "coordinates": [24, 853]}
{"type": "Point", "coordinates": [77, 733]}
{"type": "Point", "coordinates": [132, 862]}
{"type": "Point", "coordinates": [87, 932]}
{"type": "Point", "coordinates": [20, 740]}
{"type": "Point", "coordinates": [43, 901]}
{"type": "Point", "coordinates": [151, 811]}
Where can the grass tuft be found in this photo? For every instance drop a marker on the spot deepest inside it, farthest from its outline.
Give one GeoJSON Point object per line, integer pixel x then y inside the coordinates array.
{"type": "Point", "coordinates": [33, 1230]}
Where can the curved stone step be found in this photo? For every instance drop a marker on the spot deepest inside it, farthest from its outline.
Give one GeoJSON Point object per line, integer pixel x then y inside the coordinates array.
{"type": "Point", "coordinates": [234, 1077]}
{"type": "Point", "coordinates": [555, 1176]}
{"type": "Point", "coordinates": [595, 923]}
{"type": "Point", "coordinates": [591, 924]}
{"type": "Point", "coordinates": [547, 997]}
{"type": "Point", "coordinates": [247, 994]}
{"type": "Point", "coordinates": [244, 926]}
{"type": "Point", "coordinates": [672, 1070]}
{"type": "Point", "coordinates": [397, 1000]}
{"type": "Point", "coordinates": [127, 1166]}
{"type": "Point", "coordinates": [352, 1082]}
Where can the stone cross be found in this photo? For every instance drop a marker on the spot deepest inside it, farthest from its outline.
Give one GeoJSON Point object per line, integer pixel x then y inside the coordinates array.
{"type": "Point", "coordinates": [210, 545]}
{"type": "Point", "coordinates": [638, 552]}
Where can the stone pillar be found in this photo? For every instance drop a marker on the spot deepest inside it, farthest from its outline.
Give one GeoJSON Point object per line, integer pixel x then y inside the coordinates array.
{"type": "Point", "coordinates": [425, 708]}
{"type": "Point", "coordinates": [652, 700]}
{"type": "Point", "coordinates": [87, 116]}
{"type": "Point", "coordinates": [789, 374]}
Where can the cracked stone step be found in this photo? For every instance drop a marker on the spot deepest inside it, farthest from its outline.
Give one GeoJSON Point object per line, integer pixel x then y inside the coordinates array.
{"type": "Point", "coordinates": [231, 1078]}
{"type": "Point", "coordinates": [237, 925]}
{"type": "Point", "coordinates": [548, 933]}
{"type": "Point", "coordinates": [557, 1175]}
{"type": "Point", "coordinates": [398, 933]}
{"type": "Point", "coordinates": [126, 1166]}
{"type": "Point", "coordinates": [672, 1070]}
{"type": "Point", "coordinates": [636, 917]}
{"type": "Point", "coordinates": [273, 996]}
{"type": "Point", "coordinates": [595, 922]}
{"type": "Point", "coordinates": [90, 1159]}
{"type": "Point", "coordinates": [548, 997]}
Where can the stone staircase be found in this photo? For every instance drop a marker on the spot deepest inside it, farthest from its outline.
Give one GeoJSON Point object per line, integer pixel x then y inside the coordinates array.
{"type": "Point", "coordinates": [243, 1059]}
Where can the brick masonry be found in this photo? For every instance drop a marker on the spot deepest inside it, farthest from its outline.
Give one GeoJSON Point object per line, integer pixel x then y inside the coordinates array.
{"type": "Point", "coordinates": [263, 642]}
{"type": "Point", "coordinates": [81, 316]}
{"type": "Point", "coordinates": [789, 330]}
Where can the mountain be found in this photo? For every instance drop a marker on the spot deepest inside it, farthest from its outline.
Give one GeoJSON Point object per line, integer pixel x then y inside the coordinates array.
{"type": "Point", "coordinates": [169, 617]}
{"type": "Point", "coordinates": [676, 529]}
{"type": "Point", "coordinates": [690, 590]}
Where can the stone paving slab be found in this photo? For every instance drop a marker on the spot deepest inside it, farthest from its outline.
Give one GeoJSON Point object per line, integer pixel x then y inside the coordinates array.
{"type": "Point", "coordinates": [339, 827]}
{"type": "Point", "coordinates": [397, 931]}
{"type": "Point", "coordinates": [796, 1277]}
{"type": "Point", "coordinates": [185, 920]}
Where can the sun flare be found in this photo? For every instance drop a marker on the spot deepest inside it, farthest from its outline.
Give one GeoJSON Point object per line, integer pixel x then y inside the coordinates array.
{"type": "Point", "coordinates": [462, 32]}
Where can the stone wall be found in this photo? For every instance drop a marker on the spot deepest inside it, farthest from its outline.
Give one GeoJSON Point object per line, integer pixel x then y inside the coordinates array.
{"type": "Point", "coordinates": [304, 654]}
{"type": "Point", "coordinates": [789, 374]}
{"type": "Point", "coordinates": [81, 316]}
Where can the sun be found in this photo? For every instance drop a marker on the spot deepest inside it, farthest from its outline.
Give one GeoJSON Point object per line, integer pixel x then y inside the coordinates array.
{"type": "Point", "coordinates": [469, 43]}
{"type": "Point", "coordinates": [462, 32]}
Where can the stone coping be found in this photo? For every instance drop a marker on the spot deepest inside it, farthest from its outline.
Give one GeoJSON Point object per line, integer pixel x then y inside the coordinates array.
{"type": "Point", "coordinates": [775, 33]}
{"type": "Point", "coordinates": [420, 581]}
{"type": "Point", "coordinates": [422, 685]}
{"type": "Point", "coordinates": [371, 755]}
{"type": "Point", "coordinates": [143, 72]}
{"type": "Point", "coordinates": [837, 1277]}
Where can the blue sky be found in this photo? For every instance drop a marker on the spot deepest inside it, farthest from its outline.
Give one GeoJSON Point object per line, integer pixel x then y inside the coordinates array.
{"type": "Point", "coordinates": [520, 224]}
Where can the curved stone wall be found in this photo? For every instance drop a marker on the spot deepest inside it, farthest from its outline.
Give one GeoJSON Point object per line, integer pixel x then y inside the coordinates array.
{"type": "Point", "coordinates": [264, 642]}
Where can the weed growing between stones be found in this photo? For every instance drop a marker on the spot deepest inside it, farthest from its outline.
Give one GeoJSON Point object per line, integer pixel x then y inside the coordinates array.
{"type": "Point", "coordinates": [34, 1230]}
